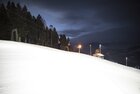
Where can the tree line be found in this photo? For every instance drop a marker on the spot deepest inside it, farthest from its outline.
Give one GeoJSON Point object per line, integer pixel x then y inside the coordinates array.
{"type": "Point", "coordinates": [30, 29]}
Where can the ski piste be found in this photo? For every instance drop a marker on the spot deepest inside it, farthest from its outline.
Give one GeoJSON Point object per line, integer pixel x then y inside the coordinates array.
{"type": "Point", "coordinates": [32, 69]}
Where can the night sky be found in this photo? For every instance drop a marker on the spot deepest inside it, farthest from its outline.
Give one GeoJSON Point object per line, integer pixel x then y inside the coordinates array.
{"type": "Point", "coordinates": [113, 23]}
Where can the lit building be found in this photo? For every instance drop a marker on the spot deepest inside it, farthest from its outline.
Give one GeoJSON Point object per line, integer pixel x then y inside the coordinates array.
{"type": "Point", "coordinates": [98, 54]}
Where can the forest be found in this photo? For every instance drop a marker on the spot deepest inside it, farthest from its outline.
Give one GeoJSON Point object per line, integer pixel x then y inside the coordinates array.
{"type": "Point", "coordinates": [18, 24]}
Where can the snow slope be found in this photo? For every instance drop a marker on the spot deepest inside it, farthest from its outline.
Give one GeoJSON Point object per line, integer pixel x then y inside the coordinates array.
{"type": "Point", "coordinates": [32, 69]}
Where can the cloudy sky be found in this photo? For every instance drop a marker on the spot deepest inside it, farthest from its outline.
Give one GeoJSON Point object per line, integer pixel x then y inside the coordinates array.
{"type": "Point", "coordinates": [110, 22]}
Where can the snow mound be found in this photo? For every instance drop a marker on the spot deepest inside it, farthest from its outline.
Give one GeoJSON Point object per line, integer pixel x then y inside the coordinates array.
{"type": "Point", "coordinates": [32, 69]}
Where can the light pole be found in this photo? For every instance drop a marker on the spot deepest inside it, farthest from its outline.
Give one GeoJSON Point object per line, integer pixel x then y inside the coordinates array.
{"type": "Point", "coordinates": [126, 59]}
{"type": "Point", "coordinates": [69, 46]}
{"type": "Point", "coordinates": [90, 49]}
{"type": "Point", "coordinates": [100, 47]}
{"type": "Point", "coordinates": [79, 47]}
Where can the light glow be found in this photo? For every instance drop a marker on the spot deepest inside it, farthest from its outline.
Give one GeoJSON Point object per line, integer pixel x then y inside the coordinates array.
{"type": "Point", "coordinates": [79, 46]}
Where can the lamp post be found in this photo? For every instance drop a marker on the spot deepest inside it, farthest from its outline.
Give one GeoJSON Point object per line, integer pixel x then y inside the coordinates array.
{"type": "Point", "coordinates": [126, 59]}
{"type": "Point", "coordinates": [69, 46]}
{"type": "Point", "coordinates": [100, 47]}
{"type": "Point", "coordinates": [90, 49]}
{"type": "Point", "coordinates": [79, 47]}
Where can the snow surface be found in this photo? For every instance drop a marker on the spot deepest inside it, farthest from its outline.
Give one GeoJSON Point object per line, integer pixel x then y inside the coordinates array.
{"type": "Point", "coordinates": [32, 69]}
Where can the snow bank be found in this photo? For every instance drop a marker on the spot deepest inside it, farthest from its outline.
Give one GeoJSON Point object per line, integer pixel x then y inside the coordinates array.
{"type": "Point", "coordinates": [32, 69]}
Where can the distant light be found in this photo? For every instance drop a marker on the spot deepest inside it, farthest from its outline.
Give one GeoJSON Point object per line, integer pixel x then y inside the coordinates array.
{"type": "Point", "coordinates": [69, 44]}
{"type": "Point", "coordinates": [100, 47]}
{"type": "Point", "coordinates": [79, 46]}
{"type": "Point", "coordinates": [90, 45]}
{"type": "Point", "coordinates": [126, 60]}
{"type": "Point", "coordinates": [90, 53]}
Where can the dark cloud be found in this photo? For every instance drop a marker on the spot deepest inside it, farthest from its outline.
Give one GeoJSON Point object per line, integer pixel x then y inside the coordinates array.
{"type": "Point", "coordinates": [120, 36]}
{"type": "Point", "coordinates": [91, 15]}
{"type": "Point", "coordinates": [107, 10]}
{"type": "Point", "coordinates": [75, 33]}
{"type": "Point", "coordinates": [116, 11]}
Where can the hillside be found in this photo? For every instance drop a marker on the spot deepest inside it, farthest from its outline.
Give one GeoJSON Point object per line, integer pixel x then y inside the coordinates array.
{"type": "Point", "coordinates": [32, 69]}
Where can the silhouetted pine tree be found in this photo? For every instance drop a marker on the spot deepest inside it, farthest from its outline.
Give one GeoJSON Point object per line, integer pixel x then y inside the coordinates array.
{"type": "Point", "coordinates": [30, 28]}
{"type": "Point", "coordinates": [4, 23]}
